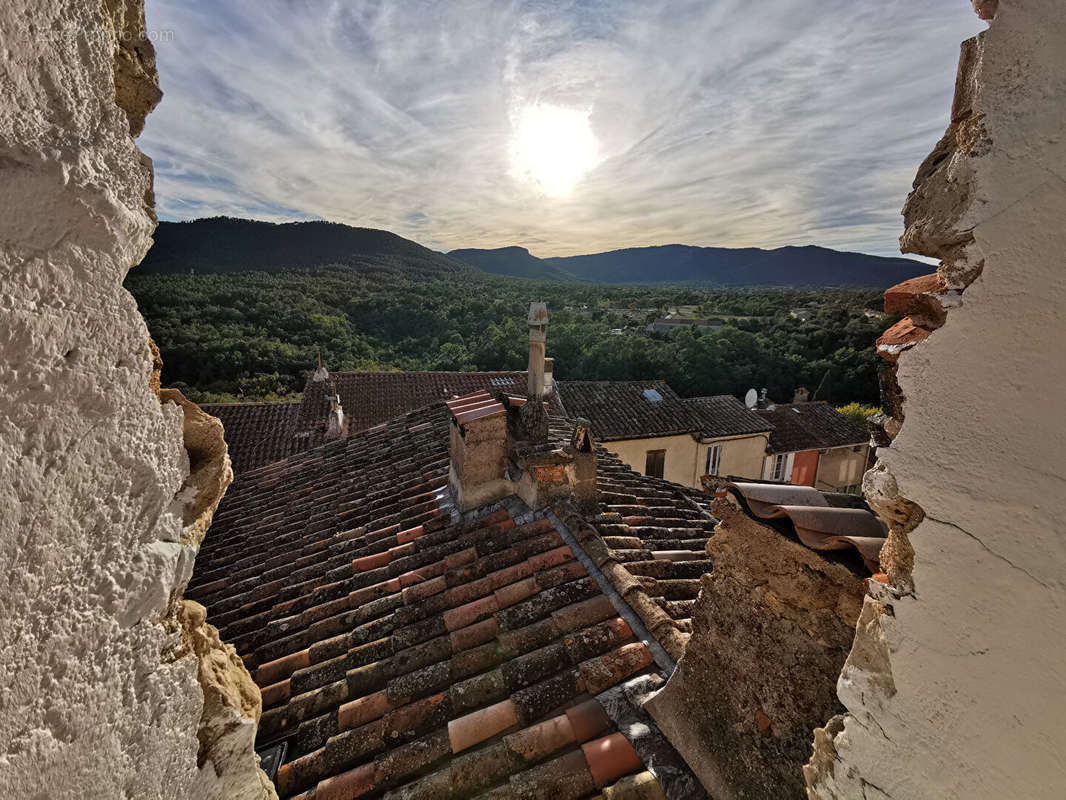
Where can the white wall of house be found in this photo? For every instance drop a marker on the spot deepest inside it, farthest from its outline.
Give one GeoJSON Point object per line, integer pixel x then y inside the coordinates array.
{"type": "Point", "coordinates": [740, 455]}
{"type": "Point", "coordinates": [686, 459]}
{"type": "Point", "coordinates": [681, 452]}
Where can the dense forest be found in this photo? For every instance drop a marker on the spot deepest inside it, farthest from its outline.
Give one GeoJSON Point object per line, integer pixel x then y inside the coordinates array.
{"type": "Point", "coordinates": [255, 334]}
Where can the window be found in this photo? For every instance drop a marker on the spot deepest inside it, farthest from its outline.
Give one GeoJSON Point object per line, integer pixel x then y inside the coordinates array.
{"type": "Point", "coordinates": [780, 463]}
{"type": "Point", "coordinates": [714, 459]}
{"type": "Point", "coordinates": [653, 464]}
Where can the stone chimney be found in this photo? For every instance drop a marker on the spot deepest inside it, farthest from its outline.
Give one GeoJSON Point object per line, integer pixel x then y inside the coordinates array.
{"type": "Point", "coordinates": [320, 374]}
{"type": "Point", "coordinates": [533, 418]}
{"type": "Point", "coordinates": [336, 418]}
{"type": "Point", "coordinates": [500, 446]}
{"type": "Point", "coordinates": [549, 381]}
{"type": "Point", "coordinates": [478, 448]}
{"type": "Point", "coordinates": [800, 395]}
{"type": "Point", "coordinates": [538, 335]}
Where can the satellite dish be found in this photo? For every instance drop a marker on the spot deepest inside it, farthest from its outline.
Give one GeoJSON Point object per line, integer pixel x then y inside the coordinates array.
{"type": "Point", "coordinates": [751, 398]}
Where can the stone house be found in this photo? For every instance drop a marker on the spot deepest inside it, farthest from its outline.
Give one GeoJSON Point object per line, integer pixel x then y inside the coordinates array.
{"type": "Point", "coordinates": [653, 430]}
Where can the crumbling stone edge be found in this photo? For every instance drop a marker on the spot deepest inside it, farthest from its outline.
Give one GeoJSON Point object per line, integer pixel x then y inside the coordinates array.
{"type": "Point", "coordinates": [937, 224]}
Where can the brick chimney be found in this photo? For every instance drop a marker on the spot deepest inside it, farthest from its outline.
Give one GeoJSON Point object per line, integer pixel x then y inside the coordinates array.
{"type": "Point", "coordinates": [800, 395]}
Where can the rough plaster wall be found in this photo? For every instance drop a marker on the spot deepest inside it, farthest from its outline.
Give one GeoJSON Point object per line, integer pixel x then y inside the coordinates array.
{"type": "Point", "coordinates": [105, 492]}
{"type": "Point", "coordinates": [772, 625]}
{"type": "Point", "coordinates": [954, 687]}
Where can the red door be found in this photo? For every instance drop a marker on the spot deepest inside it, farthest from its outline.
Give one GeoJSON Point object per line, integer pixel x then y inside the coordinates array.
{"type": "Point", "coordinates": [804, 468]}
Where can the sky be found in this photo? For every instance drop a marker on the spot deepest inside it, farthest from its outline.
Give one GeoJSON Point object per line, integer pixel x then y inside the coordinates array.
{"type": "Point", "coordinates": [563, 127]}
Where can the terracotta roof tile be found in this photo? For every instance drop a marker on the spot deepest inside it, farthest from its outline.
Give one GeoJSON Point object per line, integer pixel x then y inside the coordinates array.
{"type": "Point", "coordinates": [815, 523]}
{"type": "Point", "coordinates": [403, 652]}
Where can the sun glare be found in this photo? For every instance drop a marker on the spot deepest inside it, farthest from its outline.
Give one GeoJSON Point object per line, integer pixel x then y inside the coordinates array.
{"type": "Point", "coordinates": [553, 147]}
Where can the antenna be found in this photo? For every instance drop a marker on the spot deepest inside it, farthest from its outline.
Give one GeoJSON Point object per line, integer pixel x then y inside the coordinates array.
{"type": "Point", "coordinates": [820, 385]}
{"type": "Point", "coordinates": [751, 398]}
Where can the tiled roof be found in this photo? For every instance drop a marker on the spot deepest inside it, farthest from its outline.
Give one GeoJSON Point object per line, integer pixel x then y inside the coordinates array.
{"type": "Point", "coordinates": [810, 426]}
{"type": "Point", "coordinates": [622, 410]}
{"type": "Point", "coordinates": [725, 415]}
{"type": "Point", "coordinates": [257, 433]}
{"type": "Point", "coordinates": [404, 650]}
{"type": "Point", "coordinates": [371, 398]}
{"type": "Point", "coordinates": [817, 524]}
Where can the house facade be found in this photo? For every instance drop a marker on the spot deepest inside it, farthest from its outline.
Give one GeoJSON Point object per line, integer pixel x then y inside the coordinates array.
{"type": "Point", "coordinates": [657, 433]}
{"type": "Point", "coordinates": [813, 444]}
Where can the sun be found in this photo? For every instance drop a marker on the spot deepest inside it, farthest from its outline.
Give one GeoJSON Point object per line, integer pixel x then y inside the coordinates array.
{"type": "Point", "coordinates": [553, 147]}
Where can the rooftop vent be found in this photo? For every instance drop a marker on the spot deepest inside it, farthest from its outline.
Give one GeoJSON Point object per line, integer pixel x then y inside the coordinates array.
{"type": "Point", "coordinates": [652, 396]}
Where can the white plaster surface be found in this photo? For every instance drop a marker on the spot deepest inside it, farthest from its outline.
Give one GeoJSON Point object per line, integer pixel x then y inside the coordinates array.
{"type": "Point", "coordinates": [959, 691]}
{"type": "Point", "coordinates": [98, 698]}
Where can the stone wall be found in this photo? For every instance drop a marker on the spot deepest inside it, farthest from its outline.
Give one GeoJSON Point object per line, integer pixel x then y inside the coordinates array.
{"type": "Point", "coordinates": [106, 486]}
{"type": "Point", "coordinates": [954, 687]}
{"type": "Point", "coordinates": [772, 626]}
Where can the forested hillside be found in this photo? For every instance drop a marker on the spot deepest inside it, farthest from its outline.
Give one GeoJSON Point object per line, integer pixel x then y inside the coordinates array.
{"type": "Point", "coordinates": [517, 262]}
{"type": "Point", "coordinates": [713, 266]}
{"type": "Point", "coordinates": [224, 244]}
{"type": "Point", "coordinates": [255, 333]}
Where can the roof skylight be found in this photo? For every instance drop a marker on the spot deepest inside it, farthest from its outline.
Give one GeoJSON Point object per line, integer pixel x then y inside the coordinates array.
{"type": "Point", "coordinates": [652, 396]}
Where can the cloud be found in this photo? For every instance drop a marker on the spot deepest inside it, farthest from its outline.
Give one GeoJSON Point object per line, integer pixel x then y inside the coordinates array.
{"type": "Point", "coordinates": [797, 123]}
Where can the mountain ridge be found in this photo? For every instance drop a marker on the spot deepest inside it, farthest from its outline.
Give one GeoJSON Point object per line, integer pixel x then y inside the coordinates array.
{"type": "Point", "coordinates": [229, 244]}
{"type": "Point", "coordinates": [790, 265]}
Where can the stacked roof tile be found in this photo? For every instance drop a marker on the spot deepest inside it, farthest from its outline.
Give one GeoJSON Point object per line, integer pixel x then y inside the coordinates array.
{"type": "Point", "coordinates": [810, 426]}
{"type": "Point", "coordinates": [816, 523]}
{"type": "Point", "coordinates": [408, 652]}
